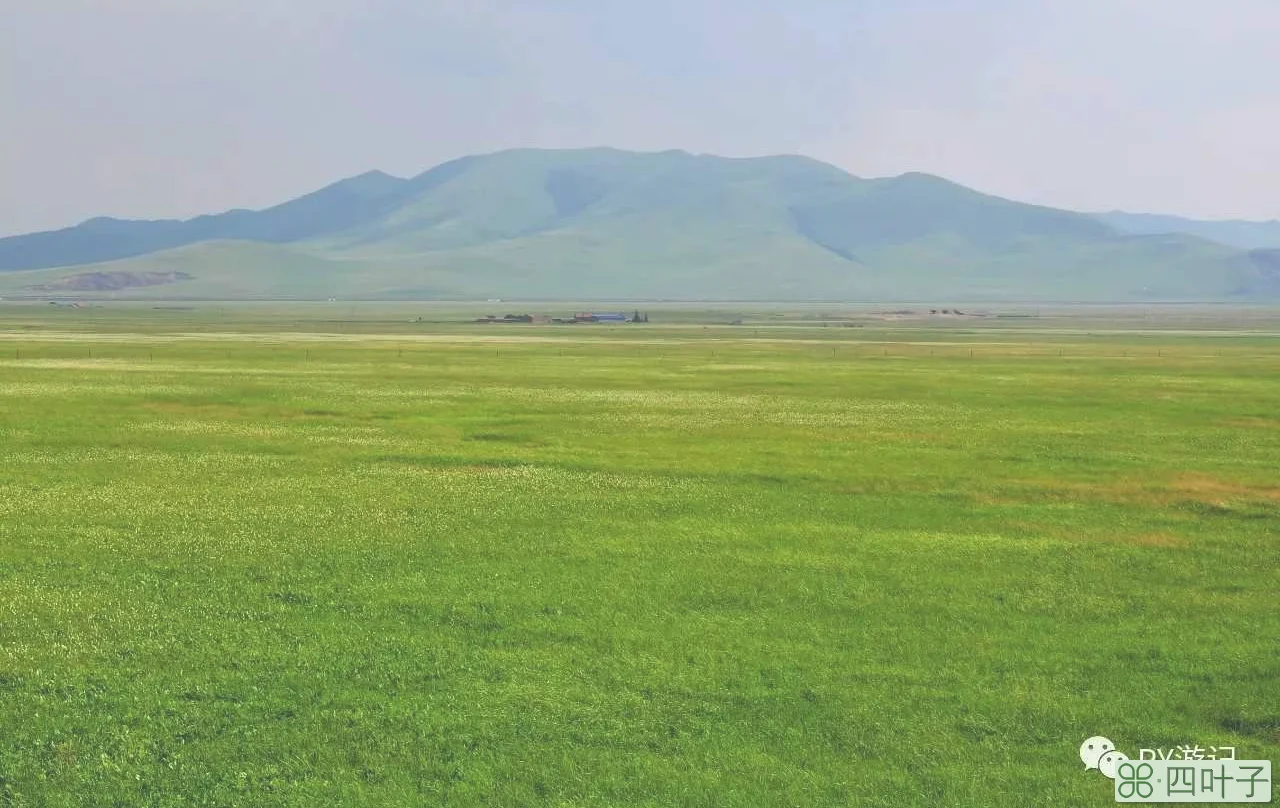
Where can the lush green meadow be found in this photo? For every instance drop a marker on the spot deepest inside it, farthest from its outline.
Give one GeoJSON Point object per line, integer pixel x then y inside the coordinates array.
{"type": "Point", "coordinates": [312, 558]}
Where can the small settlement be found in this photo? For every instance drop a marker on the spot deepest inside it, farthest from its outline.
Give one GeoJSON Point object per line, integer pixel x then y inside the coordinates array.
{"type": "Point", "coordinates": [580, 317]}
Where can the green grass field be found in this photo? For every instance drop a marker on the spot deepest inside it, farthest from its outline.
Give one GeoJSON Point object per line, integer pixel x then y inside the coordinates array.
{"type": "Point", "coordinates": [326, 557]}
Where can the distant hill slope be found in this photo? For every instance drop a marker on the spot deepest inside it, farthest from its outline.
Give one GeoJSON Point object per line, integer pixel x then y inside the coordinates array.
{"type": "Point", "coordinates": [339, 206]}
{"type": "Point", "coordinates": [601, 223]}
{"type": "Point", "coordinates": [1244, 235]}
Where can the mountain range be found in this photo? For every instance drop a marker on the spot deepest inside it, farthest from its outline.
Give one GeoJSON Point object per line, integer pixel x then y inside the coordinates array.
{"type": "Point", "coordinates": [610, 224]}
{"type": "Point", "coordinates": [1245, 235]}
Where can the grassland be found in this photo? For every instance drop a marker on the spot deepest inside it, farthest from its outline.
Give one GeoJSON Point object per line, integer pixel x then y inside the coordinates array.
{"type": "Point", "coordinates": [323, 556]}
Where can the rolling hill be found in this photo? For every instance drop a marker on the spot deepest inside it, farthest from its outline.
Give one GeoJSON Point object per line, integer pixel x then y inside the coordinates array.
{"type": "Point", "coordinates": [603, 223]}
{"type": "Point", "coordinates": [1245, 235]}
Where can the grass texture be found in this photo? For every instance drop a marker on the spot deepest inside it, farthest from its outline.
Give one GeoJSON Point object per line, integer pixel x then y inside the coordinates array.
{"type": "Point", "coordinates": [645, 567]}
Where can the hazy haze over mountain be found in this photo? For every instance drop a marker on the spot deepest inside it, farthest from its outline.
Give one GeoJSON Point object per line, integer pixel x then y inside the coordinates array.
{"type": "Point", "coordinates": [1233, 233]}
{"type": "Point", "coordinates": [605, 223]}
{"type": "Point", "coordinates": [148, 109]}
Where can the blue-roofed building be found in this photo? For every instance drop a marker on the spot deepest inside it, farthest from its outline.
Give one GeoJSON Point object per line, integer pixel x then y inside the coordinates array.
{"type": "Point", "coordinates": [600, 317]}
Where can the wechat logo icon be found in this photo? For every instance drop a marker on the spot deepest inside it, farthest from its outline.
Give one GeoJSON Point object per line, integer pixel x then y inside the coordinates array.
{"type": "Point", "coordinates": [1100, 753]}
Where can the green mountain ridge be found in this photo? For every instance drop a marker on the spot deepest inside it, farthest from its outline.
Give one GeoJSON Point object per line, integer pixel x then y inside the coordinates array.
{"type": "Point", "coordinates": [1239, 233]}
{"type": "Point", "coordinates": [603, 223]}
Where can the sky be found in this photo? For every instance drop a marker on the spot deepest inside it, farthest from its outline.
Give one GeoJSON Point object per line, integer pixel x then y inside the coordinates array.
{"type": "Point", "coordinates": [173, 108]}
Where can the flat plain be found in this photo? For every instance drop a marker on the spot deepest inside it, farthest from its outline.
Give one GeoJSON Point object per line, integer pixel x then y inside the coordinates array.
{"type": "Point", "coordinates": [299, 555]}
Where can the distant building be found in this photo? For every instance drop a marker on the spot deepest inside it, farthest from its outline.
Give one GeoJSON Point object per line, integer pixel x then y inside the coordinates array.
{"type": "Point", "coordinates": [506, 318]}
{"type": "Point", "coordinates": [580, 317]}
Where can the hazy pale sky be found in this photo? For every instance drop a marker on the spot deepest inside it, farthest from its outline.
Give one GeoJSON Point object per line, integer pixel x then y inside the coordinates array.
{"type": "Point", "coordinates": [171, 108]}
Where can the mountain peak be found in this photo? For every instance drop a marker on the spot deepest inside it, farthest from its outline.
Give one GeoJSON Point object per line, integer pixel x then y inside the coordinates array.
{"type": "Point", "coordinates": [370, 183]}
{"type": "Point", "coordinates": [607, 223]}
{"type": "Point", "coordinates": [923, 179]}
